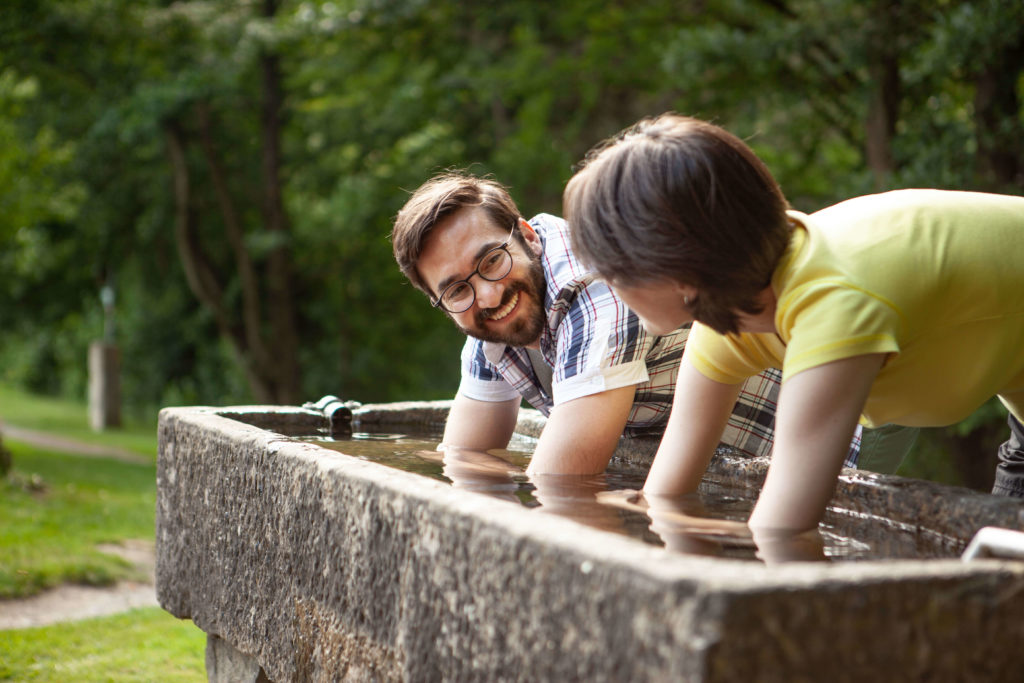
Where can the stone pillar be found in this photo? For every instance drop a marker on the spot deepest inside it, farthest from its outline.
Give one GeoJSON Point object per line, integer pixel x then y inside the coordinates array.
{"type": "Point", "coordinates": [225, 664]}
{"type": "Point", "coordinates": [104, 386]}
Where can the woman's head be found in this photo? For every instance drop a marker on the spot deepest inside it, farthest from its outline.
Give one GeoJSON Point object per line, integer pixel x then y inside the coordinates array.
{"type": "Point", "coordinates": [677, 200]}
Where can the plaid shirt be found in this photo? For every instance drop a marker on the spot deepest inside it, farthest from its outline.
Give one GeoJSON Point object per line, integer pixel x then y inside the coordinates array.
{"type": "Point", "coordinates": [593, 343]}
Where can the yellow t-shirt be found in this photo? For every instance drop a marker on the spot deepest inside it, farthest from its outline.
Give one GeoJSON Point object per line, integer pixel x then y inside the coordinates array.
{"type": "Point", "coordinates": [933, 278]}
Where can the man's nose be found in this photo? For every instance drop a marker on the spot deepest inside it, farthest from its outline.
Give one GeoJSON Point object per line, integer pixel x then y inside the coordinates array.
{"type": "Point", "coordinates": [488, 294]}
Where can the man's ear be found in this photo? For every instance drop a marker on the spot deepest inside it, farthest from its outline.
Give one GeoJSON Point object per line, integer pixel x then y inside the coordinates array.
{"type": "Point", "coordinates": [531, 237]}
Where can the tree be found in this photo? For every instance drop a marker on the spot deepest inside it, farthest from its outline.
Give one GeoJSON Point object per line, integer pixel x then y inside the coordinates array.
{"type": "Point", "coordinates": [234, 167]}
{"type": "Point", "coordinates": [264, 336]}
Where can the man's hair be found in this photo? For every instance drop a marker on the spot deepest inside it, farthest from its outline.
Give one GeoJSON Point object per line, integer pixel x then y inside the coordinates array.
{"type": "Point", "coordinates": [436, 200]}
{"type": "Point", "coordinates": [677, 198]}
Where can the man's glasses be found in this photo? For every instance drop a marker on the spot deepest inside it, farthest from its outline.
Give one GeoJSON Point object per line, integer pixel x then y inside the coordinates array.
{"type": "Point", "coordinates": [495, 265]}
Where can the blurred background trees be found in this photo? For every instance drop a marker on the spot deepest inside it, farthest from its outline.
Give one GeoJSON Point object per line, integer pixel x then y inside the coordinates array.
{"type": "Point", "coordinates": [231, 167]}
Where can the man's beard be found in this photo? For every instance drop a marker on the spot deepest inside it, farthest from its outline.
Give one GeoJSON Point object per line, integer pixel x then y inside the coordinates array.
{"type": "Point", "coordinates": [528, 325]}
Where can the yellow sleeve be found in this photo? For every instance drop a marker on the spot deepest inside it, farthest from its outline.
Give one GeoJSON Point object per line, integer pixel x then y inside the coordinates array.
{"type": "Point", "coordinates": [732, 358]}
{"type": "Point", "coordinates": [830, 320]}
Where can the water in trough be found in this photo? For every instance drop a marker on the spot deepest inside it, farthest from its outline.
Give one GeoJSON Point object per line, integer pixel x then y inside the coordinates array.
{"type": "Point", "coordinates": [610, 501]}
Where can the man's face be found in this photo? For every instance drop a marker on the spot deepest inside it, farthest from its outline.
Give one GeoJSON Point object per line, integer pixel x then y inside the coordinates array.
{"type": "Point", "coordinates": [509, 311]}
{"type": "Point", "coordinates": [659, 305]}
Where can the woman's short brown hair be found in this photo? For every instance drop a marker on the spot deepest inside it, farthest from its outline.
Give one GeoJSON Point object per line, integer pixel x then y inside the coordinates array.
{"type": "Point", "coordinates": [676, 198]}
{"type": "Point", "coordinates": [436, 200]}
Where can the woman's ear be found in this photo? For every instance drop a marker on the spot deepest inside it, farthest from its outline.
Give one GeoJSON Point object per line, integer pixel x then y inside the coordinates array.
{"type": "Point", "coordinates": [530, 235]}
{"type": "Point", "coordinates": [688, 293]}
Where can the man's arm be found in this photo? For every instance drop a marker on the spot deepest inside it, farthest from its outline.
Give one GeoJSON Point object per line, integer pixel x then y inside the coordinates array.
{"type": "Point", "coordinates": [818, 411]}
{"type": "Point", "coordinates": [480, 425]}
{"type": "Point", "coordinates": [700, 411]}
{"type": "Point", "coordinates": [581, 435]}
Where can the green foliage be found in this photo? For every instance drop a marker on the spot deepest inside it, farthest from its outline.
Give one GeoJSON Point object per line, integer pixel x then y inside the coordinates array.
{"type": "Point", "coordinates": [142, 645]}
{"type": "Point", "coordinates": [57, 507]}
{"type": "Point", "coordinates": [381, 94]}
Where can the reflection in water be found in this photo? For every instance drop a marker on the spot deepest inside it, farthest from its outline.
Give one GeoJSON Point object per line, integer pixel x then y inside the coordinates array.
{"type": "Point", "coordinates": [685, 526]}
{"type": "Point", "coordinates": [576, 497]}
{"type": "Point", "coordinates": [710, 522]}
{"type": "Point", "coordinates": [481, 472]}
{"type": "Point", "coordinates": [682, 522]}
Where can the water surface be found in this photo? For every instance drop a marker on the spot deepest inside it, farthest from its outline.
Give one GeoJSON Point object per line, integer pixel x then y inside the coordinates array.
{"type": "Point", "coordinates": [610, 502]}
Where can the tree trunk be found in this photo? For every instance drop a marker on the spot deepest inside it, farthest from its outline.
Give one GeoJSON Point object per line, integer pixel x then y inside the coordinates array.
{"type": "Point", "coordinates": [997, 120]}
{"type": "Point", "coordinates": [280, 300]}
{"type": "Point", "coordinates": [199, 273]}
{"type": "Point", "coordinates": [263, 333]}
{"type": "Point", "coordinates": [884, 102]}
{"type": "Point", "coordinates": [5, 459]}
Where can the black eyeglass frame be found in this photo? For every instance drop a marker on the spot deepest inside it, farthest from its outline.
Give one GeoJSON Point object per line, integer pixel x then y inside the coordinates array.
{"type": "Point", "coordinates": [476, 271]}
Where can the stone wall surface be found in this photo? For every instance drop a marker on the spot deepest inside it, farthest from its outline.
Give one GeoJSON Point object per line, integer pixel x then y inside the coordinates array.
{"type": "Point", "coordinates": [322, 567]}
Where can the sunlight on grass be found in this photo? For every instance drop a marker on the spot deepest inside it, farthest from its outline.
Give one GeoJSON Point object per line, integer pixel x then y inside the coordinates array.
{"type": "Point", "coordinates": [70, 419]}
{"type": "Point", "coordinates": [141, 645]}
{"type": "Point", "coordinates": [55, 509]}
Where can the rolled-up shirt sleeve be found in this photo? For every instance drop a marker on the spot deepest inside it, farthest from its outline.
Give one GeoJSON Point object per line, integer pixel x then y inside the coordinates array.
{"type": "Point", "coordinates": [480, 379]}
{"type": "Point", "coordinates": [601, 346]}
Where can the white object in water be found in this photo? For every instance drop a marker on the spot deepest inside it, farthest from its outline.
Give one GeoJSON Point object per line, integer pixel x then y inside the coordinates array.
{"type": "Point", "coordinates": [993, 541]}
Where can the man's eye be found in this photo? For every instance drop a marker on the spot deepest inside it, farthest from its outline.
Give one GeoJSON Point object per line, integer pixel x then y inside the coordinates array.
{"type": "Point", "coordinates": [492, 261]}
{"type": "Point", "coordinates": [457, 291]}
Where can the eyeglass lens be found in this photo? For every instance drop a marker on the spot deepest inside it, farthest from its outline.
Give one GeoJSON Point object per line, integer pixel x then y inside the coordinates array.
{"type": "Point", "coordinates": [495, 265]}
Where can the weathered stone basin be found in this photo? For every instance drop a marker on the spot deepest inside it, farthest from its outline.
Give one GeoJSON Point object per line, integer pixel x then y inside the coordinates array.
{"type": "Point", "coordinates": [303, 564]}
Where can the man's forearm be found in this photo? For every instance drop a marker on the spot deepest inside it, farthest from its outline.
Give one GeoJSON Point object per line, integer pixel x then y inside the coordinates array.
{"type": "Point", "coordinates": [581, 435]}
{"type": "Point", "coordinates": [480, 425]}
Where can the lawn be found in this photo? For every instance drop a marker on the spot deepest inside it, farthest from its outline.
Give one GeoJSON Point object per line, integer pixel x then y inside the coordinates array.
{"type": "Point", "coordinates": [55, 508]}
{"type": "Point", "coordinates": [141, 645]}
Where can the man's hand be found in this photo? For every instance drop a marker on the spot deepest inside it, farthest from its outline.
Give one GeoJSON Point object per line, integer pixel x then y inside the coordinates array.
{"type": "Point", "coordinates": [480, 471]}
{"type": "Point", "coordinates": [576, 498]}
{"type": "Point", "coordinates": [581, 435]}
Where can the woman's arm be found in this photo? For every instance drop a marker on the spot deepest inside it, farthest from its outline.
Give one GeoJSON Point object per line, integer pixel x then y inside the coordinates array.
{"type": "Point", "coordinates": [818, 411]}
{"type": "Point", "coordinates": [700, 411]}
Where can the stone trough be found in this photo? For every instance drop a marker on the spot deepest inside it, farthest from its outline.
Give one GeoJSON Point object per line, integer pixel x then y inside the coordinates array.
{"type": "Point", "coordinates": [304, 564]}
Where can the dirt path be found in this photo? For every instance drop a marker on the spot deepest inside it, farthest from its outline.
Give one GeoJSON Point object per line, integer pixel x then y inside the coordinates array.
{"type": "Point", "coordinates": [64, 445]}
{"type": "Point", "coordinates": [72, 602]}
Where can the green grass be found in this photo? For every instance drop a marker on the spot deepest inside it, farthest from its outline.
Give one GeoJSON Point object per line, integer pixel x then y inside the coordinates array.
{"type": "Point", "coordinates": [141, 645]}
{"type": "Point", "coordinates": [55, 509]}
{"type": "Point", "coordinates": [70, 419]}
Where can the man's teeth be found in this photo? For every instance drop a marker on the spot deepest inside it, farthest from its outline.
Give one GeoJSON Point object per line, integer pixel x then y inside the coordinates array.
{"type": "Point", "coordinates": [506, 309]}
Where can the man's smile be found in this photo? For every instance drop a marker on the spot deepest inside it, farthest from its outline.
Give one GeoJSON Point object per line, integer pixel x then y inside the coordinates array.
{"type": "Point", "coordinates": [506, 309]}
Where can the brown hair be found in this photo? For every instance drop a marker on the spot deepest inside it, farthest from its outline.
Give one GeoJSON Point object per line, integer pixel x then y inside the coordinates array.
{"type": "Point", "coordinates": [436, 200]}
{"type": "Point", "coordinates": [677, 198]}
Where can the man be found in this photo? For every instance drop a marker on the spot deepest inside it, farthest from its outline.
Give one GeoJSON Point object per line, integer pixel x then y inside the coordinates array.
{"type": "Point", "coordinates": [530, 309]}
